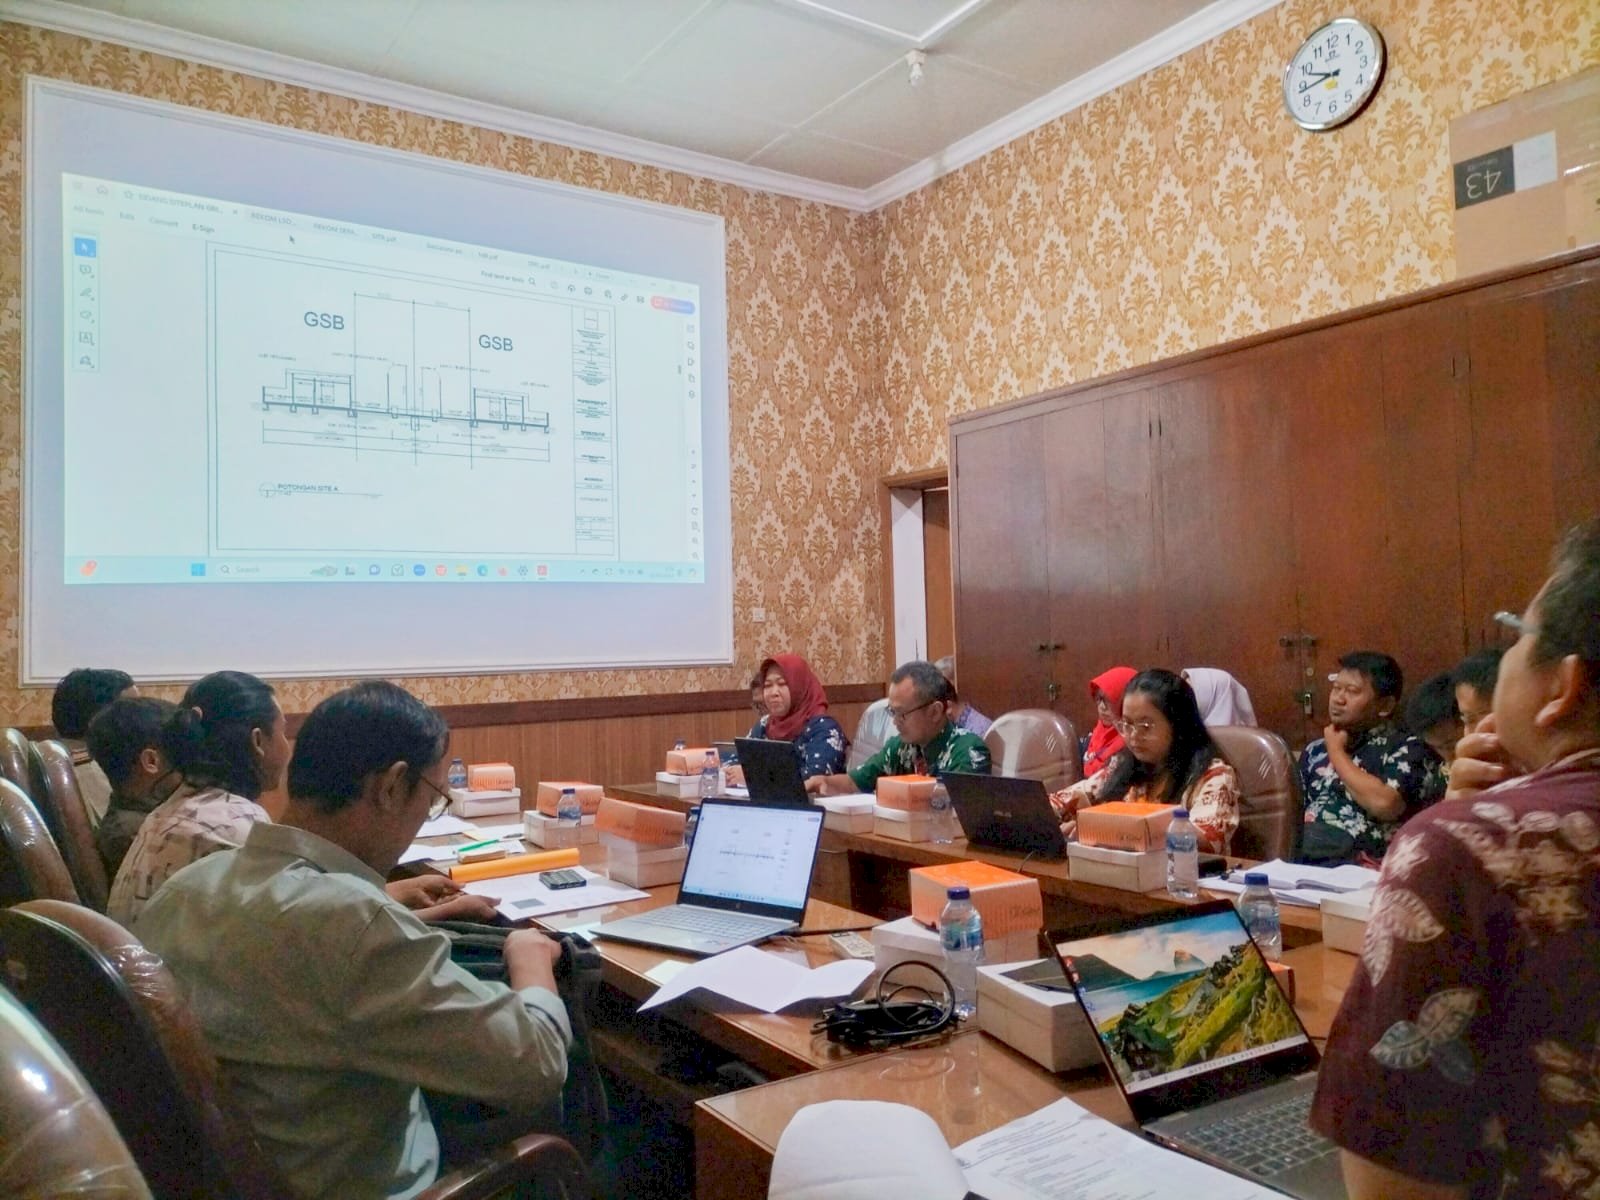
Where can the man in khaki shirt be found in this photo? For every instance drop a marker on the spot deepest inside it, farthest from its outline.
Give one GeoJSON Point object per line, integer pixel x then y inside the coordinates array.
{"type": "Point", "coordinates": [330, 1005]}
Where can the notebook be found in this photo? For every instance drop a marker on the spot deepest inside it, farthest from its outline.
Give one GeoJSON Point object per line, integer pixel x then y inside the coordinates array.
{"type": "Point", "coordinates": [1008, 814]}
{"type": "Point", "coordinates": [1206, 1048]}
{"type": "Point", "coordinates": [772, 771]}
{"type": "Point", "coordinates": [748, 877]}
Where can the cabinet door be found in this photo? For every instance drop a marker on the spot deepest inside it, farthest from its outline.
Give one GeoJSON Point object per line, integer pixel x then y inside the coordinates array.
{"type": "Point", "coordinates": [1227, 547]}
{"type": "Point", "coordinates": [1001, 590]}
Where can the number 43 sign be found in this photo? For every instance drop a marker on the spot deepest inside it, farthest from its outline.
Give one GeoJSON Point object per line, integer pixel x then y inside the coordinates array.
{"type": "Point", "coordinates": [1526, 164]}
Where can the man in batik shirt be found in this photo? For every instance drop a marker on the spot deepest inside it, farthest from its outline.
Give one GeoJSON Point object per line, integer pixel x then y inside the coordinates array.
{"type": "Point", "coordinates": [1365, 775]}
{"type": "Point", "coordinates": [1465, 1060]}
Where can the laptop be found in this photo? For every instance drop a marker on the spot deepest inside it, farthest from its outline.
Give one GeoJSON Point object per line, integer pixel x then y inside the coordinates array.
{"type": "Point", "coordinates": [1206, 1048]}
{"type": "Point", "coordinates": [1007, 814]}
{"type": "Point", "coordinates": [748, 877]}
{"type": "Point", "coordinates": [772, 771]}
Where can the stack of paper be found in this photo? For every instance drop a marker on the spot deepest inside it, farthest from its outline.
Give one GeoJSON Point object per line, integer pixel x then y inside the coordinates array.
{"type": "Point", "coordinates": [763, 981]}
{"type": "Point", "coordinates": [1296, 883]}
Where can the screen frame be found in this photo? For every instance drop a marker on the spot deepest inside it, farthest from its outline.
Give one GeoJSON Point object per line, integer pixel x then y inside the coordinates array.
{"type": "Point", "coordinates": [754, 907]}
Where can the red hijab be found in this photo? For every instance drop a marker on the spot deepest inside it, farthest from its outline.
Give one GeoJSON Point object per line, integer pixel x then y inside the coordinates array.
{"type": "Point", "coordinates": [806, 697]}
{"type": "Point", "coordinates": [1105, 741]}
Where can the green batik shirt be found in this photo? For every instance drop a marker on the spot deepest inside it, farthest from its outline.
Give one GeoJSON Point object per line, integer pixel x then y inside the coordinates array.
{"type": "Point", "coordinates": [954, 751]}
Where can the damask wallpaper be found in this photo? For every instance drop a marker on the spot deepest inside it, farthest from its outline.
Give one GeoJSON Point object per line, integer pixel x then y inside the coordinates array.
{"type": "Point", "coordinates": [1177, 212]}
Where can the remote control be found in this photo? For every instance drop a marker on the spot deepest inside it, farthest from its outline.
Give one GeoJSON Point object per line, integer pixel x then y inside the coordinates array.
{"type": "Point", "coordinates": [564, 878]}
{"type": "Point", "coordinates": [851, 945]}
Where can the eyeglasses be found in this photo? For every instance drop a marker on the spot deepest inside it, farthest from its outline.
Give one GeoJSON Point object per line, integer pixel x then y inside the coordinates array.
{"type": "Point", "coordinates": [1129, 728]}
{"type": "Point", "coordinates": [898, 716]}
{"type": "Point", "coordinates": [440, 801]}
{"type": "Point", "coordinates": [1514, 623]}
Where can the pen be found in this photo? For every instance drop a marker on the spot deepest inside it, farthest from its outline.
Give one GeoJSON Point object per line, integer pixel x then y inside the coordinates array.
{"type": "Point", "coordinates": [477, 845]}
{"type": "Point", "coordinates": [821, 932]}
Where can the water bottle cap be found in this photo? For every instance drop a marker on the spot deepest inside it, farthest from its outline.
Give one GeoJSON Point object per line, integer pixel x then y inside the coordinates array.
{"type": "Point", "coordinates": [1180, 814]}
{"type": "Point", "coordinates": [959, 891]}
{"type": "Point", "coordinates": [1255, 879]}
{"type": "Point", "coordinates": [568, 791]}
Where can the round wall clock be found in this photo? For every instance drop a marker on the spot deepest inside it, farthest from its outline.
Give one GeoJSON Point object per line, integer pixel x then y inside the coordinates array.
{"type": "Point", "coordinates": [1333, 74]}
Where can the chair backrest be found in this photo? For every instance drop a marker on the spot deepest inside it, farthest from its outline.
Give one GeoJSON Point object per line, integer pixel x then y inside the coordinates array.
{"type": "Point", "coordinates": [118, 1013]}
{"type": "Point", "coordinates": [16, 759]}
{"type": "Point", "coordinates": [58, 781]}
{"type": "Point", "coordinates": [31, 866]}
{"type": "Point", "coordinates": [47, 1107]}
{"type": "Point", "coordinates": [873, 732]}
{"type": "Point", "coordinates": [1269, 793]}
{"type": "Point", "coordinates": [1035, 743]}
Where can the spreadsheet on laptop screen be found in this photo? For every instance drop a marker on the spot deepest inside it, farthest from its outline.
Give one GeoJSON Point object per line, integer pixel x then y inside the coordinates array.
{"type": "Point", "coordinates": [753, 854]}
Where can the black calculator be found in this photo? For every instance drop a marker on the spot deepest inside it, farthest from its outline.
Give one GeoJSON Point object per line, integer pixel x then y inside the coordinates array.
{"type": "Point", "coordinates": [565, 878]}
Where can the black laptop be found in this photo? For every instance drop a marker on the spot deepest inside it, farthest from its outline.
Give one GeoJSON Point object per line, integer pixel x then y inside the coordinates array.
{"type": "Point", "coordinates": [772, 771]}
{"type": "Point", "coordinates": [1206, 1048]}
{"type": "Point", "coordinates": [1007, 814]}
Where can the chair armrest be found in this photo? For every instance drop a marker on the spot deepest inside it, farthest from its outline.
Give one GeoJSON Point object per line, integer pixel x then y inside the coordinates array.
{"type": "Point", "coordinates": [534, 1156]}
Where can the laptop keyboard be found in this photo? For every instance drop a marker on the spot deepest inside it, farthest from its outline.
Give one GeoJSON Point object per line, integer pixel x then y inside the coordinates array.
{"type": "Point", "coordinates": [1267, 1140]}
{"type": "Point", "coordinates": [703, 921]}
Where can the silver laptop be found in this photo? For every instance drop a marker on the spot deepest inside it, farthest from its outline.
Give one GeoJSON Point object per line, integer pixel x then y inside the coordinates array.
{"type": "Point", "coordinates": [748, 877]}
{"type": "Point", "coordinates": [1209, 1053]}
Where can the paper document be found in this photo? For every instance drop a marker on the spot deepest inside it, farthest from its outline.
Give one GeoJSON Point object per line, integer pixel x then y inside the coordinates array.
{"type": "Point", "coordinates": [480, 832]}
{"type": "Point", "coordinates": [762, 981]}
{"type": "Point", "coordinates": [440, 826]}
{"type": "Point", "coordinates": [417, 852]}
{"type": "Point", "coordinates": [523, 896]}
{"type": "Point", "coordinates": [1298, 884]}
{"type": "Point", "coordinates": [1065, 1150]}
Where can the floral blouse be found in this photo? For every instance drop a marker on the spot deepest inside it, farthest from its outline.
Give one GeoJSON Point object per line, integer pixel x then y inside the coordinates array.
{"type": "Point", "coordinates": [1212, 801]}
{"type": "Point", "coordinates": [821, 742]}
{"type": "Point", "coordinates": [1386, 752]}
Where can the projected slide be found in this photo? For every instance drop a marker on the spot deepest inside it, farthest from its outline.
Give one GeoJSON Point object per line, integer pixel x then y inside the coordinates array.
{"type": "Point", "coordinates": [367, 404]}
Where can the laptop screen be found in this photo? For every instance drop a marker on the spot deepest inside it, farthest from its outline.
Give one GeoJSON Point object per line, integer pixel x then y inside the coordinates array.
{"type": "Point", "coordinates": [753, 856]}
{"type": "Point", "coordinates": [1181, 996]}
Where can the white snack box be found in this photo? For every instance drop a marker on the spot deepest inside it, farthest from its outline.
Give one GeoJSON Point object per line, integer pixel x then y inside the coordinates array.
{"type": "Point", "coordinates": [1047, 1026]}
{"type": "Point", "coordinates": [548, 832]}
{"type": "Point", "coordinates": [1128, 870]}
{"type": "Point", "coordinates": [685, 787]}
{"type": "Point", "coordinates": [897, 941]}
{"type": "Point", "coordinates": [1344, 920]}
{"type": "Point", "coordinates": [464, 803]}
{"type": "Point", "coordinates": [848, 814]}
{"type": "Point", "coordinates": [901, 825]}
{"type": "Point", "coordinates": [626, 863]}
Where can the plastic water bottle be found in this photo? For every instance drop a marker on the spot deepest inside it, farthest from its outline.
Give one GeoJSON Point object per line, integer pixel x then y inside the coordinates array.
{"type": "Point", "coordinates": [710, 777]}
{"type": "Point", "coordinates": [569, 813]}
{"type": "Point", "coordinates": [1258, 909]}
{"type": "Point", "coordinates": [680, 744]}
{"type": "Point", "coordinates": [961, 936]}
{"type": "Point", "coordinates": [457, 775]}
{"type": "Point", "coordinates": [1183, 857]}
{"type": "Point", "coordinates": [943, 815]}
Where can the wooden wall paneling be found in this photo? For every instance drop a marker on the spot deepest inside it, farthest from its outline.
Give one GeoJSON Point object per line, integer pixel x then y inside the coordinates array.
{"type": "Point", "coordinates": [1078, 547]}
{"type": "Point", "coordinates": [1572, 330]}
{"type": "Point", "coordinates": [1002, 602]}
{"type": "Point", "coordinates": [1227, 538]}
{"type": "Point", "coordinates": [938, 596]}
{"type": "Point", "coordinates": [1137, 615]}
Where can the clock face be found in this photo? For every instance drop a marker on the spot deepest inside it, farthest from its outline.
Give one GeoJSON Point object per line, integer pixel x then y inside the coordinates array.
{"type": "Point", "coordinates": [1333, 75]}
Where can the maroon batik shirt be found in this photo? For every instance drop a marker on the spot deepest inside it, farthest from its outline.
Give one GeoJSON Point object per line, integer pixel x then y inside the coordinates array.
{"type": "Point", "coordinates": [1465, 1051]}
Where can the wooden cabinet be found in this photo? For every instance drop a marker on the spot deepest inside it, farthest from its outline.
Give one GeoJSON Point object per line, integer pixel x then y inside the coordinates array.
{"type": "Point", "coordinates": [1385, 479]}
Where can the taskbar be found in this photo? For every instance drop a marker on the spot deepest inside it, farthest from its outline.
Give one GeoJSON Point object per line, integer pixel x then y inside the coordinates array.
{"type": "Point", "coordinates": [369, 569]}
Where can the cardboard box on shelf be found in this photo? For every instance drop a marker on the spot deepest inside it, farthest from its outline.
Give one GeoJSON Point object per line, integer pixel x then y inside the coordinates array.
{"type": "Point", "coordinates": [1125, 825]}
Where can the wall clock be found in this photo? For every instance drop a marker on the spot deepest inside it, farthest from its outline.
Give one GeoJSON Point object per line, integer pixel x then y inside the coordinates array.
{"type": "Point", "coordinates": [1333, 74]}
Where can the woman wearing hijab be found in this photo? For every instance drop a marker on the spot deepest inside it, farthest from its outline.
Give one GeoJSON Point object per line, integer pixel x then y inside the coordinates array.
{"type": "Point", "coordinates": [1222, 698]}
{"type": "Point", "coordinates": [1104, 742]}
{"type": "Point", "coordinates": [797, 711]}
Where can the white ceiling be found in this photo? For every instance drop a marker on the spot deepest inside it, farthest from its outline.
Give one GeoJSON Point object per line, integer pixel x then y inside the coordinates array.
{"type": "Point", "coordinates": [816, 90]}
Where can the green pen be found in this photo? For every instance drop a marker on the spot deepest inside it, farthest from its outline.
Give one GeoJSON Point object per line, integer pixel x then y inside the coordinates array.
{"type": "Point", "coordinates": [460, 850]}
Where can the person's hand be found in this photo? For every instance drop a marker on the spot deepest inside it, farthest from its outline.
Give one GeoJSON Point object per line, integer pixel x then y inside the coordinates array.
{"type": "Point", "coordinates": [814, 785]}
{"type": "Point", "coordinates": [422, 891]}
{"type": "Point", "coordinates": [1069, 830]}
{"type": "Point", "coordinates": [1480, 762]}
{"type": "Point", "coordinates": [1337, 740]}
{"type": "Point", "coordinates": [531, 959]}
{"type": "Point", "coordinates": [463, 906]}
{"type": "Point", "coordinates": [734, 775]}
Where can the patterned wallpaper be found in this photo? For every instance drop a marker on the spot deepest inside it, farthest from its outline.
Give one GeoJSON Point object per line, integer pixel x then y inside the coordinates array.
{"type": "Point", "coordinates": [1184, 209]}
{"type": "Point", "coordinates": [805, 326]}
{"type": "Point", "coordinates": [1176, 212]}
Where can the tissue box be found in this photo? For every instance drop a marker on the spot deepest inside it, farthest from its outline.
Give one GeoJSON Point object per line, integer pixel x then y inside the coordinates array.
{"type": "Point", "coordinates": [549, 795]}
{"type": "Point", "coordinates": [908, 938]}
{"type": "Point", "coordinates": [906, 793]}
{"type": "Point", "coordinates": [550, 833]}
{"type": "Point", "coordinates": [641, 824]}
{"type": "Point", "coordinates": [464, 802]}
{"type": "Point", "coordinates": [1129, 870]}
{"type": "Point", "coordinates": [1344, 920]}
{"type": "Point", "coordinates": [1008, 902]}
{"type": "Point", "coordinates": [1121, 825]}
{"type": "Point", "coordinates": [491, 777]}
{"type": "Point", "coordinates": [1047, 1026]}
{"type": "Point", "coordinates": [642, 866]}
{"type": "Point", "coordinates": [901, 825]}
{"type": "Point", "coordinates": [847, 814]}
{"type": "Point", "coordinates": [690, 761]}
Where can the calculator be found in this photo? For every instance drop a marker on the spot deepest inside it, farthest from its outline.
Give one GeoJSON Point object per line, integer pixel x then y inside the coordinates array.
{"type": "Point", "coordinates": [564, 878]}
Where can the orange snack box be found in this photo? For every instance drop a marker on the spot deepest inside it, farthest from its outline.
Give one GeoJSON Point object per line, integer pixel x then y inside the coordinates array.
{"type": "Point", "coordinates": [589, 797]}
{"type": "Point", "coordinates": [1124, 825]}
{"type": "Point", "coordinates": [1009, 903]}
{"type": "Point", "coordinates": [639, 823]}
{"type": "Point", "coordinates": [690, 761]}
{"type": "Point", "coordinates": [908, 793]}
{"type": "Point", "coordinates": [491, 777]}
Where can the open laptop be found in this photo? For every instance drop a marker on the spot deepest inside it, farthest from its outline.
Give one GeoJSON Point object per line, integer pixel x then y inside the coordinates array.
{"type": "Point", "coordinates": [1008, 814]}
{"type": "Point", "coordinates": [748, 877]}
{"type": "Point", "coordinates": [1207, 1049]}
{"type": "Point", "coordinates": [772, 771]}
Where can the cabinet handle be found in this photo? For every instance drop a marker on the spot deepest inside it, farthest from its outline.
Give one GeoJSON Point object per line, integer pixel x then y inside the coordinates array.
{"type": "Point", "coordinates": [1052, 689]}
{"type": "Point", "coordinates": [1286, 641]}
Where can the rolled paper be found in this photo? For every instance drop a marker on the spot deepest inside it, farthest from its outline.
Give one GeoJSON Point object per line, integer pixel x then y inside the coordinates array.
{"type": "Point", "coordinates": [517, 864]}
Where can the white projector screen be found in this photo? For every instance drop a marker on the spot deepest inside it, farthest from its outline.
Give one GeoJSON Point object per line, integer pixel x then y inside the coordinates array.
{"type": "Point", "coordinates": [300, 406]}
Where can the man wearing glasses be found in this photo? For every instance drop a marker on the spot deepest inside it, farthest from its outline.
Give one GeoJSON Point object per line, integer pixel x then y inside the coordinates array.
{"type": "Point", "coordinates": [926, 741]}
{"type": "Point", "coordinates": [1365, 775]}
